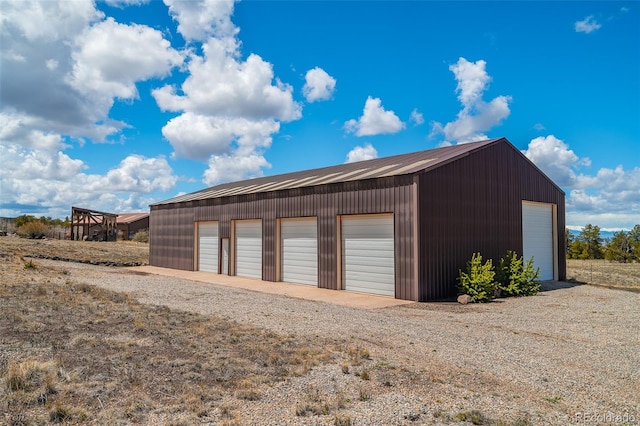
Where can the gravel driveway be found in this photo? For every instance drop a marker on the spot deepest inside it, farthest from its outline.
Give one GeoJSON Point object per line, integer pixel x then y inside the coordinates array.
{"type": "Point", "coordinates": [570, 355]}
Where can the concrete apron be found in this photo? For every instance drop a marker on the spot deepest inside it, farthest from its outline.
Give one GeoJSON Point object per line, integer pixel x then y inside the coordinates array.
{"type": "Point", "coordinates": [300, 291]}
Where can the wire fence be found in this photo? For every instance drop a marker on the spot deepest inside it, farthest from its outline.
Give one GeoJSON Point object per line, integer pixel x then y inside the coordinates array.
{"type": "Point", "coordinates": [604, 272]}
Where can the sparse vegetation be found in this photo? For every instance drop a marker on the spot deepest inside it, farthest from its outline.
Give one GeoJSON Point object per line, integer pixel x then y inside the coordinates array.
{"type": "Point", "coordinates": [141, 237]}
{"type": "Point", "coordinates": [75, 353]}
{"type": "Point", "coordinates": [33, 230]}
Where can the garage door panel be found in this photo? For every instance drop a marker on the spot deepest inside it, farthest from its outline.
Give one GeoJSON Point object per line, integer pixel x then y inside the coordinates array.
{"type": "Point", "coordinates": [368, 254]}
{"type": "Point", "coordinates": [537, 237]}
{"type": "Point", "coordinates": [249, 249]}
{"type": "Point", "coordinates": [208, 247]}
{"type": "Point", "coordinates": [299, 251]}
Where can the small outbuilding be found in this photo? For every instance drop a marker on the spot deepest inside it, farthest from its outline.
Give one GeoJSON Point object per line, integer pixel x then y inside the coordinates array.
{"type": "Point", "coordinates": [129, 224]}
{"type": "Point", "coordinates": [401, 226]}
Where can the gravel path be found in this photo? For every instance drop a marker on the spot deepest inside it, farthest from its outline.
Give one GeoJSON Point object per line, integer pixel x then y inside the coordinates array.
{"type": "Point", "coordinates": [570, 355]}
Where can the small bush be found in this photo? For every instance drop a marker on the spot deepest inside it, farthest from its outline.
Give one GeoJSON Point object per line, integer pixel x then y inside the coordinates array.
{"type": "Point", "coordinates": [59, 414]}
{"type": "Point", "coordinates": [30, 265]}
{"type": "Point", "coordinates": [141, 237]}
{"type": "Point", "coordinates": [342, 420]}
{"type": "Point", "coordinates": [516, 277]}
{"type": "Point", "coordinates": [478, 280]}
{"type": "Point", "coordinates": [33, 230]}
{"type": "Point", "coordinates": [474, 416]}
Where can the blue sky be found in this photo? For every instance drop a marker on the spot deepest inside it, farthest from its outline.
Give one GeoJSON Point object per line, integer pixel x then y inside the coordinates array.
{"type": "Point", "coordinates": [115, 105]}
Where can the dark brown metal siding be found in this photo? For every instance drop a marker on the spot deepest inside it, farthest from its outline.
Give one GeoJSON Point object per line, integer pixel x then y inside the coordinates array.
{"type": "Point", "coordinates": [327, 202]}
{"type": "Point", "coordinates": [472, 205]}
{"type": "Point", "coordinates": [171, 238]}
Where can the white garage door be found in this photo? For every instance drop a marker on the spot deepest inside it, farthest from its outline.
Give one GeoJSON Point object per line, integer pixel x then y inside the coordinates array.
{"type": "Point", "coordinates": [299, 251]}
{"type": "Point", "coordinates": [368, 254]}
{"type": "Point", "coordinates": [208, 247]}
{"type": "Point", "coordinates": [249, 248]}
{"type": "Point", "coordinates": [537, 237]}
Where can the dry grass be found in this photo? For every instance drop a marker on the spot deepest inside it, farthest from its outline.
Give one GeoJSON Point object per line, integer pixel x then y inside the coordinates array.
{"type": "Point", "coordinates": [120, 253]}
{"type": "Point", "coordinates": [605, 273]}
{"type": "Point", "coordinates": [75, 353]}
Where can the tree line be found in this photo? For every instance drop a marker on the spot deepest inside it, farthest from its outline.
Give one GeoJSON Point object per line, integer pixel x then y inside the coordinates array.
{"type": "Point", "coordinates": [623, 247]}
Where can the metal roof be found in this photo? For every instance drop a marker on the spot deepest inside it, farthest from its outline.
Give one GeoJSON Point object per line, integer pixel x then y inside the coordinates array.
{"type": "Point", "coordinates": [130, 217]}
{"type": "Point", "coordinates": [369, 169]}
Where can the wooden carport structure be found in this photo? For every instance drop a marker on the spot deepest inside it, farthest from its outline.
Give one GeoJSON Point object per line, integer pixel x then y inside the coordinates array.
{"type": "Point", "coordinates": [93, 225]}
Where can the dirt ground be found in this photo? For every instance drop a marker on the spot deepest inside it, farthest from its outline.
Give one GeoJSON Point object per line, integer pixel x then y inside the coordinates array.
{"type": "Point", "coordinates": [76, 353]}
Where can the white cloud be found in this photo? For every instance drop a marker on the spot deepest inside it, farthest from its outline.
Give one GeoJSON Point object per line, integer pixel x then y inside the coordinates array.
{"type": "Point", "coordinates": [610, 198]}
{"type": "Point", "coordinates": [52, 180]}
{"type": "Point", "coordinates": [221, 85]}
{"type": "Point", "coordinates": [361, 153]}
{"type": "Point", "coordinates": [199, 20]}
{"type": "Point", "coordinates": [416, 117]}
{"type": "Point", "coordinates": [375, 120]}
{"type": "Point", "coordinates": [539, 126]}
{"type": "Point", "coordinates": [229, 107]}
{"type": "Point", "coordinates": [555, 158]}
{"type": "Point", "coordinates": [100, 70]}
{"type": "Point", "coordinates": [233, 167]}
{"type": "Point", "coordinates": [197, 137]}
{"type": "Point", "coordinates": [42, 21]}
{"type": "Point", "coordinates": [318, 86]}
{"type": "Point", "coordinates": [587, 25]}
{"type": "Point", "coordinates": [69, 71]}
{"type": "Point", "coordinates": [476, 116]}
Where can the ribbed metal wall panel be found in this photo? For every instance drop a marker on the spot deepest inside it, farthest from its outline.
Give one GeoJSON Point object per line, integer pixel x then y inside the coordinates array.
{"type": "Point", "coordinates": [327, 203]}
{"type": "Point", "coordinates": [472, 205]}
{"type": "Point", "coordinates": [171, 238]}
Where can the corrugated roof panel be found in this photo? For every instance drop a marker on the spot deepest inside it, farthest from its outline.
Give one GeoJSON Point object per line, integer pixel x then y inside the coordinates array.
{"type": "Point", "coordinates": [408, 168]}
{"type": "Point", "coordinates": [272, 186]}
{"type": "Point", "coordinates": [343, 177]}
{"type": "Point", "coordinates": [296, 183]}
{"type": "Point", "coordinates": [368, 169]}
{"type": "Point", "coordinates": [373, 173]}
{"type": "Point", "coordinates": [320, 180]}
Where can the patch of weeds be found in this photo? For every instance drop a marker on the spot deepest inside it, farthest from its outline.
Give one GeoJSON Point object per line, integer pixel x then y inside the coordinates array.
{"type": "Point", "coordinates": [553, 400]}
{"type": "Point", "coordinates": [437, 379]}
{"type": "Point", "coordinates": [60, 414]}
{"type": "Point", "coordinates": [342, 420]}
{"type": "Point", "coordinates": [359, 355]}
{"type": "Point", "coordinates": [522, 422]}
{"type": "Point", "coordinates": [248, 394]}
{"type": "Point", "coordinates": [345, 368]}
{"type": "Point", "coordinates": [341, 400]}
{"type": "Point", "coordinates": [364, 395]}
{"type": "Point", "coordinates": [364, 375]}
{"type": "Point", "coordinates": [226, 411]}
{"type": "Point", "coordinates": [474, 416]}
{"type": "Point", "coordinates": [31, 375]}
{"type": "Point", "coordinates": [412, 417]}
{"type": "Point", "coordinates": [30, 265]}
{"type": "Point", "coordinates": [314, 403]}
{"type": "Point", "coordinates": [308, 409]}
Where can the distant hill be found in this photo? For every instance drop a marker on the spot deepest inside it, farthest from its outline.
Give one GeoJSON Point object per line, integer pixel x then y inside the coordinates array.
{"type": "Point", "coordinates": [605, 235]}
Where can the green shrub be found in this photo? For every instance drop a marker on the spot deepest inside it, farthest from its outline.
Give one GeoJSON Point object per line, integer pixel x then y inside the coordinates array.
{"type": "Point", "coordinates": [478, 280]}
{"type": "Point", "coordinates": [516, 277]}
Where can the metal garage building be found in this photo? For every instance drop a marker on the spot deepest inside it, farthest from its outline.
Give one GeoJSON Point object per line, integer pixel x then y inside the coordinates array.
{"type": "Point", "coordinates": [400, 226]}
